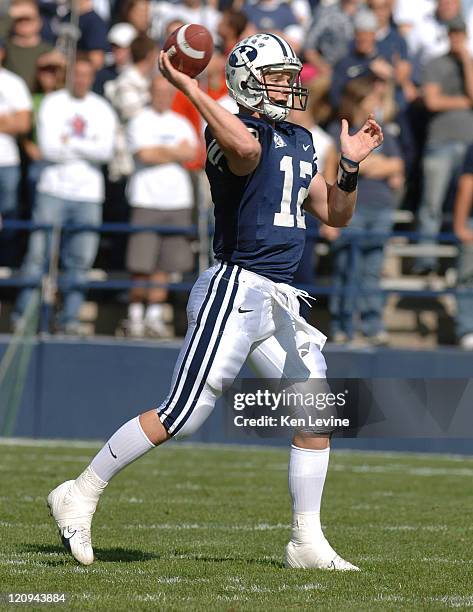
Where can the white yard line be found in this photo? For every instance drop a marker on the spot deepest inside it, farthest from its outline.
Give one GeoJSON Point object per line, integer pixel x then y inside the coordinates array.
{"type": "Point", "coordinates": [63, 443]}
{"type": "Point", "coordinates": [397, 468]}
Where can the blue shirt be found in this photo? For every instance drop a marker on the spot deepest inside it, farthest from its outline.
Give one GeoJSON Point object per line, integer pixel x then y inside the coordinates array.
{"type": "Point", "coordinates": [355, 65]}
{"type": "Point", "coordinates": [393, 44]}
{"type": "Point", "coordinates": [259, 220]}
{"type": "Point", "coordinates": [276, 18]}
{"type": "Point", "coordinates": [352, 66]}
{"type": "Point", "coordinates": [93, 32]}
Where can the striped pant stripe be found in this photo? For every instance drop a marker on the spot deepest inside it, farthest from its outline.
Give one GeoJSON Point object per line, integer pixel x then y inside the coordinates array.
{"type": "Point", "coordinates": [209, 350]}
{"type": "Point", "coordinates": [198, 329]}
{"type": "Point", "coordinates": [197, 361]}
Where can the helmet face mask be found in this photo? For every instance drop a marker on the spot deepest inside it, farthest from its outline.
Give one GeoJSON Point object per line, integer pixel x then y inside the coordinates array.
{"type": "Point", "coordinates": [296, 95]}
{"type": "Point", "coordinates": [250, 66]}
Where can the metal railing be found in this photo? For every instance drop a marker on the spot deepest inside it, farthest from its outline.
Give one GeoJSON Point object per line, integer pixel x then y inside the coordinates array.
{"type": "Point", "coordinates": [51, 280]}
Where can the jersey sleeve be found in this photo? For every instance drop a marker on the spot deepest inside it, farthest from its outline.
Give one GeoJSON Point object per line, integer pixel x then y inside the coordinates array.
{"type": "Point", "coordinates": [260, 130]}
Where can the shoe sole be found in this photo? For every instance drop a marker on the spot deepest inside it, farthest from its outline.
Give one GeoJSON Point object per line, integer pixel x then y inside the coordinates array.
{"type": "Point", "coordinates": [292, 563]}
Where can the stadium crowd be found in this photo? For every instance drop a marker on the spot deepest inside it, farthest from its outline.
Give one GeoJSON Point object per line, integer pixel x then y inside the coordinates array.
{"type": "Point", "coordinates": [96, 134]}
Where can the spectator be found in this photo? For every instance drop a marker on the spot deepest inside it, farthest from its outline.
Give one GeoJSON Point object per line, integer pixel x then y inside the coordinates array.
{"type": "Point", "coordinates": [76, 135]}
{"type": "Point", "coordinates": [393, 47]}
{"type": "Point", "coordinates": [463, 228]}
{"type": "Point", "coordinates": [160, 192]}
{"type": "Point", "coordinates": [448, 96]}
{"type": "Point", "coordinates": [233, 27]}
{"type": "Point", "coordinates": [468, 13]}
{"type": "Point", "coordinates": [330, 34]}
{"type": "Point", "coordinates": [188, 11]}
{"type": "Point", "coordinates": [129, 93]}
{"type": "Point", "coordinates": [103, 9]}
{"type": "Point", "coordinates": [93, 33]}
{"type": "Point", "coordinates": [276, 17]}
{"type": "Point", "coordinates": [120, 37]}
{"type": "Point", "coordinates": [327, 165]}
{"type": "Point", "coordinates": [408, 15]}
{"type": "Point", "coordinates": [171, 27]}
{"type": "Point", "coordinates": [214, 84]}
{"type": "Point", "coordinates": [303, 12]}
{"type": "Point", "coordinates": [380, 178]}
{"type": "Point", "coordinates": [50, 76]}
{"type": "Point", "coordinates": [24, 44]}
{"type": "Point", "coordinates": [15, 119]}
{"type": "Point", "coordinates": [138, 14]}
{"type": "Point", "coordinates": [429, 38]}
{"type": "Point", "coordinates": [362, 59]}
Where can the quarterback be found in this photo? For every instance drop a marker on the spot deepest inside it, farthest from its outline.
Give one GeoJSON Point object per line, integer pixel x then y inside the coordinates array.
{"type": "Point", "coordinates": [260, 168]}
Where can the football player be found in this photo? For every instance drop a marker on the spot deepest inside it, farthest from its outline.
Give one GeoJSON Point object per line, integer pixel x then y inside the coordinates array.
{"type": "Point", "coordinates": [260, 169]}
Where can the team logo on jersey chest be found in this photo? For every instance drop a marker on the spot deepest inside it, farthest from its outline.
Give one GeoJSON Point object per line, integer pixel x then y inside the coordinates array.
{"type": "Point", "coordinates": [278, 141]}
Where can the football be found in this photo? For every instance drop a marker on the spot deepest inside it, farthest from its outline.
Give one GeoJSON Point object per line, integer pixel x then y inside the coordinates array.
{"type": "Point", "coordinates": [189, 48]}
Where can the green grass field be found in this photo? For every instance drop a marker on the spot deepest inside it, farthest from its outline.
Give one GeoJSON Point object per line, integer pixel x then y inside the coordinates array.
{"type": "Point", "coordinates": [204, 528]}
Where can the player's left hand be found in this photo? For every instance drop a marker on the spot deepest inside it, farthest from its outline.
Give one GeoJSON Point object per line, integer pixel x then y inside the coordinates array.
{"type": "Point", "coordinates": [360, 145]}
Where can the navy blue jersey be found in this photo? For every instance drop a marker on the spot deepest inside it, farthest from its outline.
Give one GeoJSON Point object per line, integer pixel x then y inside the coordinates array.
{"type": "Point", "coordinates": [259, 219]}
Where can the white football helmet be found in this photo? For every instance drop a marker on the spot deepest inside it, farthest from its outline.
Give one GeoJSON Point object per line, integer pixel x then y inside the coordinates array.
{"type": "Point", "coordinates": [248, 64]}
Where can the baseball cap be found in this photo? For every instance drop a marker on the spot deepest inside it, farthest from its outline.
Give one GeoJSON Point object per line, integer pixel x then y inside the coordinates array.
{"type": "Point", "coordinates": [122, 34]}
{"type": "Point", "coordinates": [456, 24]}
{"type": "Point", "coordinates": [365, 21]}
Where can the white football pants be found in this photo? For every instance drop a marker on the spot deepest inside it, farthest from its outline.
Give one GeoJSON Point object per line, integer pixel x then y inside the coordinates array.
{"type": "Point", "coordinates": [235, 315]}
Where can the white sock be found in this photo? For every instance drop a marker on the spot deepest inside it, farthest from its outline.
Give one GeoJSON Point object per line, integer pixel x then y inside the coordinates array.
{"type": "Point", "coordinates": [127, 444]}
{"type": "Point", "coordinates": [136, 312]}
{"type": "Point", "coordinates": [154, 312]}
{"type": "Point", "coordinates": [89, 485]}
{"type": "Point", "coordinates": [307, 472]}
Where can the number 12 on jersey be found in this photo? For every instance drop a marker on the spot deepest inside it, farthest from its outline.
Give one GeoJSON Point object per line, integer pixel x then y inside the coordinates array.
{"type": "Point", "coordinates": [284, 218]}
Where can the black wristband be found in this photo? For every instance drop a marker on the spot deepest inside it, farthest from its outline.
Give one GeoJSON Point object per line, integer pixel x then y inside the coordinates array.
{"type": "Point", "coordinates": [350, 162]}
{"type": "Point", "coordinates": [347, 181]}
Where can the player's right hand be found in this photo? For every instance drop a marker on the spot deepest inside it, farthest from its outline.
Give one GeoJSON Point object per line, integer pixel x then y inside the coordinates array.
{"type": "Point", "coordinates": [180, 80]}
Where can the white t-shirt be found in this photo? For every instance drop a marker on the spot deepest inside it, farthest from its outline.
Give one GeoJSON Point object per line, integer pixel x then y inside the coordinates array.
{"type": "Point", "coordinates": [161, 186]}
{"type": "Point", "coordinates": [76, 136]}
{"type": "Point", "coordinates": [164, 12]}
{"type": "Point", "coordinates": [322, 142]}
{"type": "Point", "coordinates": [429, 38]}
{"type": "Point", "coordinates": [14, 97]}
{"type": "Point", "coordinates": [407, 12]}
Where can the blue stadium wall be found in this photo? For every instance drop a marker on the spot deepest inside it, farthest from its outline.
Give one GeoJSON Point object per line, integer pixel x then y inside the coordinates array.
{"type": "Point", "coordinates": [86, 389]}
